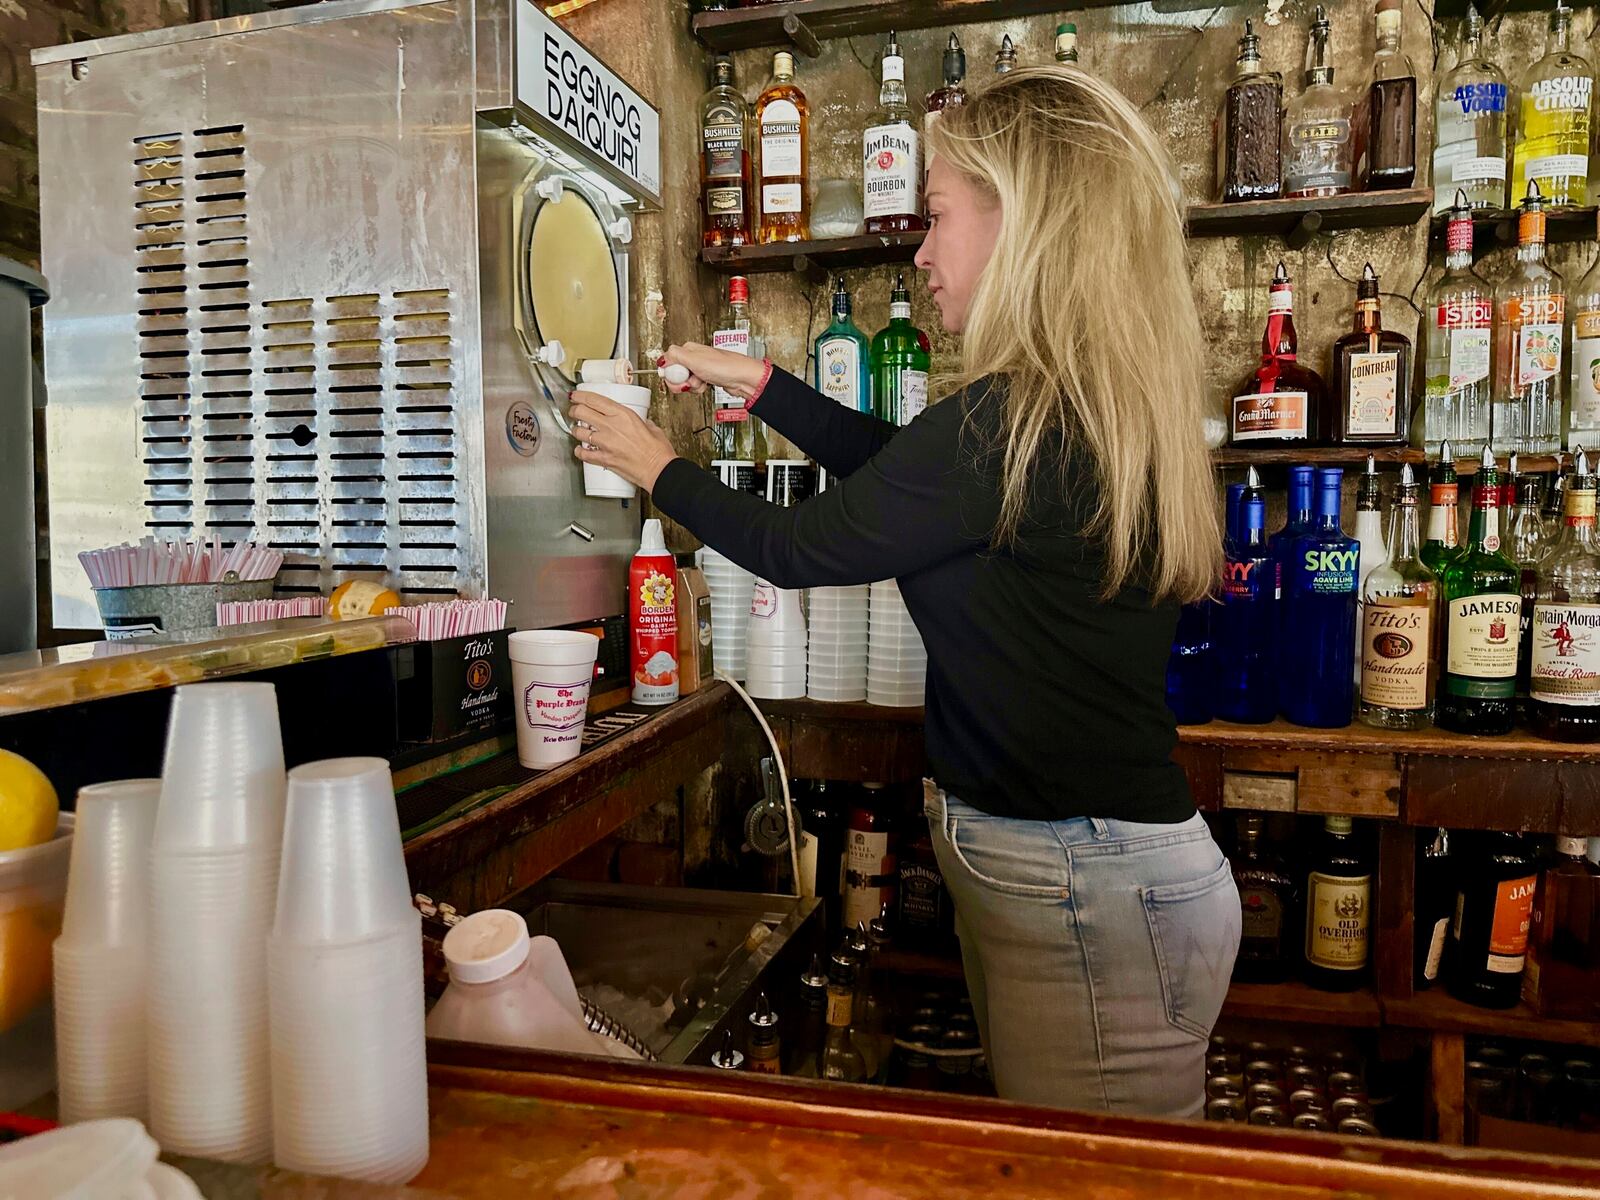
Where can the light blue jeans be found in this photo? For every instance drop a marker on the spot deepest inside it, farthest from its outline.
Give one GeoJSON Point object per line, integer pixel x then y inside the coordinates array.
{"type": "Point", "coordinates": [1097, 953]}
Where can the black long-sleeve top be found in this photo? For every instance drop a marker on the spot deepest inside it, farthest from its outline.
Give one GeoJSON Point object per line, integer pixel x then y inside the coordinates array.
{"type": "Point", "coordinates": [1044, 701]}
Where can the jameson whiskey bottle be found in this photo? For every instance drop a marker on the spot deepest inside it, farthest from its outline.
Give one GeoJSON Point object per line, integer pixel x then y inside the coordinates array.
{"type": "Point", "coordinates": [1482, 598]}
{"type": "Point", "coordinates": [1249, 151]}
{"type": "Point", "coordinates": [1373, 368]}
{"type": "Point", "coordinates": [1531, 301]}
{"type": "Point", "coordinates": [1494, 911]}
{"type": "Point", "coordinates": [900, 362]}
{"type": "Point", "coordinates": [1564, 672]}
{"type": "Point", "coordinates": [1399, 607]}
{"type": "Point", "coordinates": [1338, 910]}
{"type": "Point", "coordinates": [783, 118]}
{"type": "Point", "coordinates": [1266, 894]}
{"type": "Point", "coordinates": [1552, 146]}
{"type": "Point", "coordinates": [724, 162]}
{"type": "Point", "coordinates": [1281, 402]}
{"type": "Point", "coordinates": [1443, 498]}
{"type": "Point", "coordinates": [842, 355]}
{"type": "Point", "coordinates": [891, 155]}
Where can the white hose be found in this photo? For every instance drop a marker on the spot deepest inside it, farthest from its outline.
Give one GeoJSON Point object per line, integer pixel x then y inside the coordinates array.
{"type": "Point", "coordinates": [783, 779]}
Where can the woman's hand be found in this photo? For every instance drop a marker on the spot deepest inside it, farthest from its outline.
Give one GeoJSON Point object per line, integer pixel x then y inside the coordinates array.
{"type": "Point", "coordinates": [736, 373]}
{"type": "Point", "coordinates": [614, 436]}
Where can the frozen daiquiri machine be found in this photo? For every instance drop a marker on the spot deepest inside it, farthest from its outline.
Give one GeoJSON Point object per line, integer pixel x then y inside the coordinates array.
{"type": "Point", "coordinates": [323, 276]}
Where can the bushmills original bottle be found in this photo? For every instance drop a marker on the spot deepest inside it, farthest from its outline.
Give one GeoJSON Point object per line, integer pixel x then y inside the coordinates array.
{"type": "Point", "coordinates": [783, 121]}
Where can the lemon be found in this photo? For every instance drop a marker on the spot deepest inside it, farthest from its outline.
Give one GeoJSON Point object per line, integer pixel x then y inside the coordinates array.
{"type": "Point", "coordinates": [28, 804]}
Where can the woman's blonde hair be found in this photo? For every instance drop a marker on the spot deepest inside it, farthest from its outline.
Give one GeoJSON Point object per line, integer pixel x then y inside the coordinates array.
{"type": "Point", "coordinates": [1086, 310]}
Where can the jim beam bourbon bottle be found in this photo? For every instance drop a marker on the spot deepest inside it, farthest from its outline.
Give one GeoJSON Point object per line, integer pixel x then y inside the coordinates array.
{"type": "Point", "coordinates": [891, 155]}
{"type": "Point", "coordinates": [1280, 403]}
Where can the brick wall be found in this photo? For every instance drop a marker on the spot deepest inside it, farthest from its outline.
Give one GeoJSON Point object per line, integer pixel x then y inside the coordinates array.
{"type": "Point", "coordinates": [25, 25]}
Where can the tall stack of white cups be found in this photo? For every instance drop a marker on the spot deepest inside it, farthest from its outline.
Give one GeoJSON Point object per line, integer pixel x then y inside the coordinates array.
{"type": "Point", "coordinates": [349, 1076]}
{"type": "Point", "coordinates": [897, 661]}
{"type": "Point", "coordinates": [731, 588]}
{"type": "Point", "coordinates": [99, 959]}
{"type": "Point", "coordinates": [836, 658]}
{"type": "Point", "coordinates": [775, 663]}
{"type": "Point", "coordinates": [213, 884]}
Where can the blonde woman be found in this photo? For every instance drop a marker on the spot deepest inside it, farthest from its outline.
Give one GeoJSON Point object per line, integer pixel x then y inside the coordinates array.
{"type": "Point", "coordinates": [1045, 521]}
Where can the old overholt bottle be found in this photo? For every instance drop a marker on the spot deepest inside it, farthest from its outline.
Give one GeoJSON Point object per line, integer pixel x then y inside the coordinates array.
{"type": "Point", "coordinates": [1481, 590]}
{"type": "Point", "coordinates": [1281, 402]}
{"type": "Point", "coordinates": [1338, 910]}
{"type": "Point", "coordinates": [1494, 910]}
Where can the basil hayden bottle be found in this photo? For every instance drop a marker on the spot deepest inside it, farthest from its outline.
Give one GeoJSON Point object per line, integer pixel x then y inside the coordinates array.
{"type": "Point", "coordinates": [1482, 608]}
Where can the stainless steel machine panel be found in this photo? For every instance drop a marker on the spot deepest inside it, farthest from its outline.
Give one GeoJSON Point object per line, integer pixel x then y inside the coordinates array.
{"type": "Point", "coordinates": [289, 278]}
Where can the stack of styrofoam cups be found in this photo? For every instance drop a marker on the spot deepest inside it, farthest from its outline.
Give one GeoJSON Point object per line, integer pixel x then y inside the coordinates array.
{"type": "Point", "coordinates": [836, 659]}
{"type": "Point", "coordinates": [775, 654]}
{"type": "Point", "coordinates": [349, 1076]}
{"type": "Point", "coordinates": [897, 661]}
{"type": "Point", "coordinates": [99, 959]}
{"type": "Point", "coordinates": [731, 586]}
{"type": "Point", "coordinates": [213, 884]}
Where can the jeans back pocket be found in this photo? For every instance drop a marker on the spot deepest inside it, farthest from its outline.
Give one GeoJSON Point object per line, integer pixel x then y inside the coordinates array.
{"type": "Point", "coordinates": [1195, 931]}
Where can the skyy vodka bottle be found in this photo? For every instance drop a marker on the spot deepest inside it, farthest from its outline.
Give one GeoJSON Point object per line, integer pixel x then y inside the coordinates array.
{"type": "Point", "coordinates": [1316, 684]}
{"type": "Point", "coordinates": [1242, 625]}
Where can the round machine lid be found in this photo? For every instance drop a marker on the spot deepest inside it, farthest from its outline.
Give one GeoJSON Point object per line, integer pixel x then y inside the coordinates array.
{"type": "Point", "coordinates": [572, 280]}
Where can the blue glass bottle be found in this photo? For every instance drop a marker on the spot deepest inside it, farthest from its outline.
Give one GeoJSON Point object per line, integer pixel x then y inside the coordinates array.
{"type": "Point", "coordinates": [841, 356]}
{"type": "Point", "coordinates": [1235, 497]}
{"type": "Point", "coordinates": [1318, 630]}
{"type": "Point", "coordinates": [1189, 668]}
{"type": "Point", "coordinates": [1301, 480]}
{"type": "Point", "coordinates": [1242, 626]}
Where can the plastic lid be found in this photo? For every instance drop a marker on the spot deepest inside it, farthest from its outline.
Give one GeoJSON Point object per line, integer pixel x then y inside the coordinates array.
{"type": "Point", "coordinates": [1337, 824]}
{"type": "Point", "coordinates": [94, 1160]}
{"type": "Point", "coordinates": [488, 945]}
{"type": "Point", "coordinates": [653, 541]}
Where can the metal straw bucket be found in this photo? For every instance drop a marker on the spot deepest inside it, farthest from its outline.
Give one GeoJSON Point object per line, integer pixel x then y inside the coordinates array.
{"type": "Point", "coordinates": [130, 612]}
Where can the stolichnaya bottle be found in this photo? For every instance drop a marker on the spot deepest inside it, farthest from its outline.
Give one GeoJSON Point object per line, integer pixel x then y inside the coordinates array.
{"type": "Point", "coordinates": [1399, 611]}
{"type": "Point", "coordinates": [1481, 597]}
{"type": "Point", "coordinates": [1469, 154]}
{"type": "Point", "coordinates": [1458, 319]}
{"type": "Point", "coordinates": [1564, 677]}
{"type": "Point", "coordinates": [1531, 306]}
{"type": "Point", "coordinates": [891, 155]}
{"type": "Point", "coordinates": [1316, 647]}
{"type": "Point", "coordinates": [1338, 909]}
{"type": "Point", "coordinates": [1556, 103]}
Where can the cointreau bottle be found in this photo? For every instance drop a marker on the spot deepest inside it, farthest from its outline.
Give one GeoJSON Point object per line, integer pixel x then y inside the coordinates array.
{"type": "Point", "coordinates": [1281, 403]}
{"type": "Point", "coordinates": [1372, 367]}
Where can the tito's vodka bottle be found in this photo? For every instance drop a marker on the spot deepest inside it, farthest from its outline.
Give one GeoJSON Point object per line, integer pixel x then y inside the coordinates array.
{"type": "Point", "coordinates": [1553, 123]}
{"type": "Point", "coordinates": [783, 118]}
{"type": "Point", "coordinates": [1399, 618]}
{"type": "Point", "coordinates": [891, 155]}
{"type": "Point", "coordinates": [1481, 590]}
{"type": "Point", "coordinates": [1318, 149]}
{"type": "Point", "coordinates": [1281, 402]}
{"type": "Point", "coordinates": [1470, 129]}
{"type": "Point", "coordinates": [1532, 304]}
{"type": "Point", "coordinates": [1457, 319]}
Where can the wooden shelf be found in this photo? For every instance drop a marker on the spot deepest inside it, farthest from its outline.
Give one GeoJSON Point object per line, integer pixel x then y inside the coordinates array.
{"type": "Point", "coordinates": [1297, 221]}
{"type": "Point", "coordinates": [816, 258]}
{"type": "Point", "coordinates": [823, 710]}
{"type": "Point", "coordinates": [1332, 456]}
{"type": "Point", "coordinates": [1292, 1001]}
{"type": "Point", "coordinates": [1493, 231]}
{"type": "Point", "coordinates": [1357, 738]}
{"type": "Point", "coordinates": [916, 962]}
{"type": "Point", "coordinates": [801, 23]}
{"type": "Point", "coordinates": [1441, 1012]}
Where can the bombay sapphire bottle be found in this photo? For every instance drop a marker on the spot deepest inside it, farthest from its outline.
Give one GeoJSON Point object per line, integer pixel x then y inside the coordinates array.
{"type": "Point", "coordinates": [1317, 642]}
{"type": "Point", "coordinates": [1189, 669]}
{"type": "Point", "coordinates": [1242, 624]}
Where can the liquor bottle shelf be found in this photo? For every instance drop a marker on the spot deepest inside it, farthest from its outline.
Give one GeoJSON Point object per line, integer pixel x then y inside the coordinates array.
{"type": "Point", "coordinates": [1357, 738]}
{"type": "Point", "coordinates": [1441, 1012]}
{"type": "Point", "coordinates": [816, 258]}
{"type": "Point", "coordinates": [1329, 456]}
{"type": "Point", "coordinates": [1498, 230]}
{"type": "Point", "coordinates": [1296, 221]}
{"type": "Point", "coordinates": [1294, 1001]}
{"type": "Point", "coordinates": [801, 24]}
